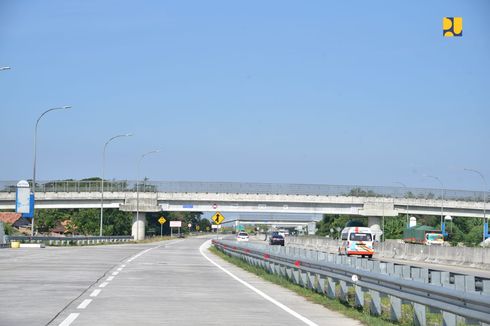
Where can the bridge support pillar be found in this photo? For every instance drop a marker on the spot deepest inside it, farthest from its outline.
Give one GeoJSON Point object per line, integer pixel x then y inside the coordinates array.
{"type": "Point", "coordinates": [374, 222]}
{"type": "Point", "coordinates": [138, 229]}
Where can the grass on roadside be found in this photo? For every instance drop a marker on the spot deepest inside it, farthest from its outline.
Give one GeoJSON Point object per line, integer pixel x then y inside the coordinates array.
{"type": "Point", "coordinates": [155, 239]}
{"type": "Point", "coordinates": [347, 309]}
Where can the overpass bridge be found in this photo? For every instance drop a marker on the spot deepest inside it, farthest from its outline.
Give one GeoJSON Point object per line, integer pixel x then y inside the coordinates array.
{"type": "Point", "coordinates": [373, 202]}
{"type": "Point", "coordinates": [283, 220]}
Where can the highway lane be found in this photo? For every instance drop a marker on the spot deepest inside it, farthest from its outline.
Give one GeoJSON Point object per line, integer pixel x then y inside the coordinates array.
{"type": "Point", "coordinates": [168, 283]}
{"type": "Point", "coordinates": [35, 284]}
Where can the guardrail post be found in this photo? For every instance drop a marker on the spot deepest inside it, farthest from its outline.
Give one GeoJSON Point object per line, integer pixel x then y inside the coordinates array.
{"type": "Point", "coordinates": [465, 283]}
{"type": "Point", "coordinates": [331, 288]}
{"type": "Point", "coordinates": [448, 318]}
{"type": "Point", "coordinates": [289, 273]}
{"type": "Point", "coordinates": [311, 280]}
{"type": "Point", "coordinates": [303, 278]}
{"type": "Point", "coordinates": [486, 290]}
{"type": "Point", "coordinates": [296, 277]}
{"type": "Point", "coordinates": [343, 291]}
{"type": "Point", "coordinates": [435, 279]}
{"type": "Point", "coordinates": [359, 303]}
{"type": "Point", "coordinates": [282, 271]}
{"type": "Point", "coordinates": [395, 302]}
{"type": "Point", "coordinates": [321, 284]}
{"type": "Point", "coordinates": [420, 318]}
{"type": "Point", "coordinates": [375, 306]}
{"type": "Point", "coordinates": [272, 267]}
{"type": "Point", "coordinates": [458, 285]}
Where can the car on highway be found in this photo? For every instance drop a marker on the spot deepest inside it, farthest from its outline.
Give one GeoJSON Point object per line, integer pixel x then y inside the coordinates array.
{"type": "Point", "coordinates": [356, 241]}
{"type": "Point", "coordinates": [242, 236]}
{"type": "Point", "coordinates": [276, 239]}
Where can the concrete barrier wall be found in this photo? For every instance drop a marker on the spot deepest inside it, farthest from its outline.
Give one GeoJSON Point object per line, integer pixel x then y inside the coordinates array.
{"type": "Point", "coordinates": [466, 256]}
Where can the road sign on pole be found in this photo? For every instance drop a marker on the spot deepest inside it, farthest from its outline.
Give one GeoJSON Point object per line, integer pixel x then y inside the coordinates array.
{"type": "Point", "coordinates": [161, 220]}
{"type": "Point", "coordinates": [218, 218]}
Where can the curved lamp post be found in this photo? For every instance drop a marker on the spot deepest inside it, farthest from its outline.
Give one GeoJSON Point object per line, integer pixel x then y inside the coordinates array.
{"type": "Point", "coordinates": [405, 186]}
{"type": "Point", "coordinates": [35, 155]}
{"type": "Point", "coordinates": [485, 222]}
{"type": "Point", "coordinates": [4, 68]}
{"type": "Point", "coordinates": [102, 180]}
{"type": "Point", "coordinates": [442, 201]}
{"type": "Point", "coordinates": [138, 190]}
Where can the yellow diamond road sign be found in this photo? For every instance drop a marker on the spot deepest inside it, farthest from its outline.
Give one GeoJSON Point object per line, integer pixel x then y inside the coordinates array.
{"type": "Point", "coordinates": [218, 218]}
{"type": "Point", "coordinates": [162, 220]}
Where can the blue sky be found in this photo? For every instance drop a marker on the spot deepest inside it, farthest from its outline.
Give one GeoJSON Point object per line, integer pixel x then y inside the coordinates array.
{"type": "Point", "coordinates": [337, 92]}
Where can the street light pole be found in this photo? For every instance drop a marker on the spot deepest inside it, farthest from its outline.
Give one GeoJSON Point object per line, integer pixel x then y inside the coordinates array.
{"type": "Point", "coordinates": [35, 157]}
{"type": "Point", "coordinates": [138, 191]}
{"type": "Point", "coordinates": [102, 181]}
{"type": "Point", "coordinates": [485, 222]}
{"type": "Point", "coordinates": [442, 200]}
{"type": "Point", "coordinates": [406, 196]}
{"type": "Point", "coordinates": [4, 68]}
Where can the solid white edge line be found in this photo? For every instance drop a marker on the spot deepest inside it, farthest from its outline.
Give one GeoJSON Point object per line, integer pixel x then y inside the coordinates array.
{"type": "Point", "coordinates": [95, 292]}
{"type": "Point", "coordinates": [84, 304]}
{"type": "Point", "coordinates": [251, 287]}
{"type": "Point", "coordinates": [68, 320]}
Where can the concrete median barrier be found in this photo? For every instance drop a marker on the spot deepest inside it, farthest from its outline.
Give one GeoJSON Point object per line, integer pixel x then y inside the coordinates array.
{"type": "Point", "coordinates": [477, 257]}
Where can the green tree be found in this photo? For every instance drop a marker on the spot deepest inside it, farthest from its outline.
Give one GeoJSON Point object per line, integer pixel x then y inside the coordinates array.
{"type": "Point", "coordinates": [394, 226]}
{"type": "Point", "coordinates": [333, 222]}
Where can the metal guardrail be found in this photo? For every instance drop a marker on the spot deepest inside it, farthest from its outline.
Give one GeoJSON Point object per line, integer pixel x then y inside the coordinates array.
{"type": "Point", "coordinates": [80, 240]}
{"type": "Point", "coordinates": [325, 273]}
{"type": "Point", "coordinates": [248, 188]}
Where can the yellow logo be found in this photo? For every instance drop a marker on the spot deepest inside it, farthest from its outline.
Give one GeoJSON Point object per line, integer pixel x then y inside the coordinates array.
{"type": "Point", "coordinates": [452, 26]}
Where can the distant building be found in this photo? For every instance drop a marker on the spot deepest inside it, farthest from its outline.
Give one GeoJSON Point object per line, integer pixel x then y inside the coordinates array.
{"type": "Point", "coordinates": [16, 220]}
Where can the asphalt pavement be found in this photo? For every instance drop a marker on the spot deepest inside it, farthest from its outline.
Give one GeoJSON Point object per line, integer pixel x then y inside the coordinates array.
{"type": "Point", "coordinates": [175, 282]}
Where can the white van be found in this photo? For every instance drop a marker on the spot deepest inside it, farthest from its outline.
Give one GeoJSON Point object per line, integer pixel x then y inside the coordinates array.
{"type": "Point", "coordinates": [356, 240]}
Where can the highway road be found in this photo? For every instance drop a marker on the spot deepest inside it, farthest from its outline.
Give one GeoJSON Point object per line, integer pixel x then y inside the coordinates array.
{"type": "Point", "coordinates": [175, 282]}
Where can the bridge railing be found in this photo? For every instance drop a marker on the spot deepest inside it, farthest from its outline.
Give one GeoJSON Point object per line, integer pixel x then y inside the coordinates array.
{"type": "Point", "coordinates": [247, 188]}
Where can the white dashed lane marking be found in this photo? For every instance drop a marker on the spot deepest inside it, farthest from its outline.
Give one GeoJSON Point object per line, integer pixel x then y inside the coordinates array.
{"type": "Point", "coordinates": [95, 292]}
{"type": "Point", "coordinates": [71, 317]}
{"type": "Point", "coordinates": [84, 304]}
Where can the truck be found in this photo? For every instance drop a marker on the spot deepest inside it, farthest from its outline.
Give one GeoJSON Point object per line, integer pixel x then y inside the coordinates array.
{"type": "Point", "coordinates": [423, 234]}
